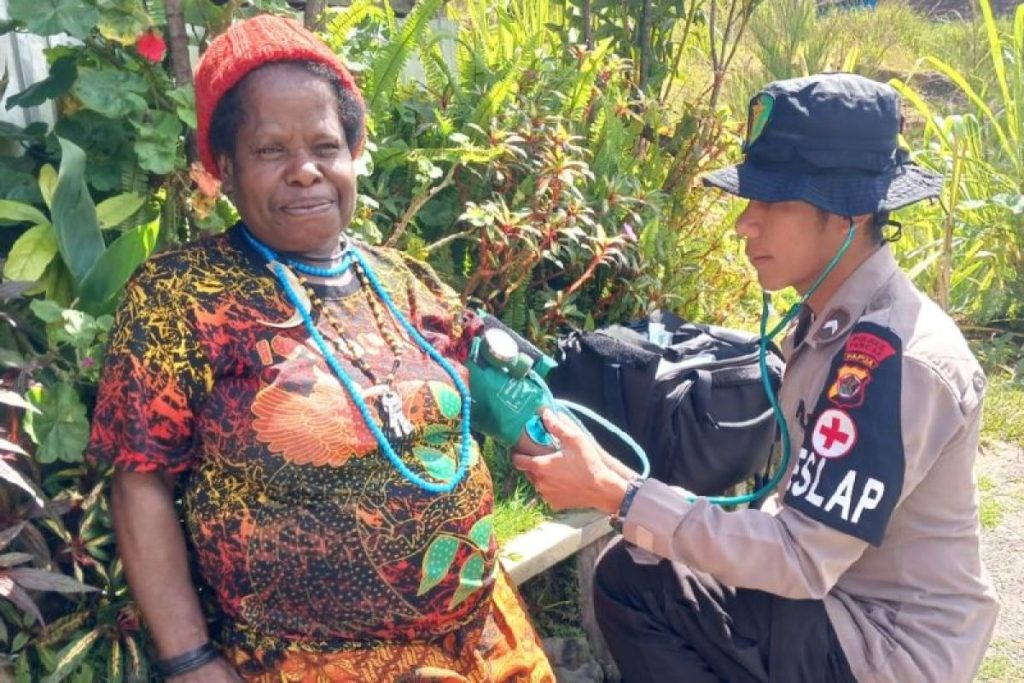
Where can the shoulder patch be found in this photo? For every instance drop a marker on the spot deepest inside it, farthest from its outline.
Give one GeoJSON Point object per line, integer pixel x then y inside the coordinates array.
{"type": "Point", "coordinates": [850, 470]}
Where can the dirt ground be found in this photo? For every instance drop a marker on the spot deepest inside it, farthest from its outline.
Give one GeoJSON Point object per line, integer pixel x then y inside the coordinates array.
{"type": "Point", "coordinates": [1000, 471]}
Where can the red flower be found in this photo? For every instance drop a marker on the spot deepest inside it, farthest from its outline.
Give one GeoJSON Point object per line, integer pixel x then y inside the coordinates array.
{"type": "Point", "coordinates": [151, 45]}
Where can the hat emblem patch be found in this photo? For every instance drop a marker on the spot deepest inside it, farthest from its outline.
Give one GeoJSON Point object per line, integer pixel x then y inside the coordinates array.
{"type": "Point", "coordinates": [760, 114]}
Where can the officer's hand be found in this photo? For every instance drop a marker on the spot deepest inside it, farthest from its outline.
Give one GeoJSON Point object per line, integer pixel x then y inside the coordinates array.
{"type": "Point", "coordinates": [580, 475]}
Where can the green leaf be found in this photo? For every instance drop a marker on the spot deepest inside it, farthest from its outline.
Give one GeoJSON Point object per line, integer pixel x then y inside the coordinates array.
{"type": "Point", "coordinates": [471, 579]}
{"type": "Point", "coordinates": [73, 654]}
{"type": "Point", "coordinates": [107, 277]}
{"type": "Point", "coordinates": [63, 73]}
{"type": "Point", "coordinates": [48, 311]}
{"type": "Point", "coordinates": [19, 212]}
{"type": "Point", "coordinates": [388, 65]}
{"type": "Point", "coordinates": [122, 21]}
{"type": "Point", "coordinates": [117, 209]}
{"type": "Point", "coordinates": [31, 253]}
{"type": "Point", "coordinates": [481, 532]}
{"type": "Point", "coordinates": [436, 561]}
{"type": "Point", "coordinates": [74, 215]}
{"type": "Point", "coordinates": [437, 464]}
{"type": "Point", "coordinates": [447, 399]}
{"type": "Point", "coordinates": [61, 430]}
{"type": "Point", "coordinates": [157, 143]}
{"type": "Point", "coordinates": [115, 93]}
{"type": "Point", "coordinates": [185, 105]}
{"type": "Point", "coordinates": [47, 183]}
{"type": "Point", "coordinates": [50, 17]}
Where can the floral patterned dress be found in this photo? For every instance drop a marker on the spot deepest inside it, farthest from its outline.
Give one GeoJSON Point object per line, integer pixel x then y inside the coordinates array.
{"type": "Point", "coordinates": [323, 562]}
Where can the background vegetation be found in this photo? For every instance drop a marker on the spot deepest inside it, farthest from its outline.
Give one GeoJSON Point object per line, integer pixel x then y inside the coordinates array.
{"type": "Point", "coordinates": [543, 154]}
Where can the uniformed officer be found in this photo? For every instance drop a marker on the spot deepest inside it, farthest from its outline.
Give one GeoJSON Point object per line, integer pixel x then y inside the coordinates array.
{"type": "Point", "coordinates": [865, 564]}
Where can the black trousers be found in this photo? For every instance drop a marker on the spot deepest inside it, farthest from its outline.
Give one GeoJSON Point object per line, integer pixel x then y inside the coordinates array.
{"type": "Point", "coordinates": [666, 623]}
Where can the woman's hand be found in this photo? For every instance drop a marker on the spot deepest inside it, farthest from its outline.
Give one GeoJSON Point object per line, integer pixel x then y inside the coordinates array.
{"type": "Point", "coordinates": [581, 474]}
{"type": "Point", "coordinates": [216, 671]}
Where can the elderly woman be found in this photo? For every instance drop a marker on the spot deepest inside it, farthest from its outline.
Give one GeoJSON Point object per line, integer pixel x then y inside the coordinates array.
{"type": "Point", "coordinates": [308, 395]}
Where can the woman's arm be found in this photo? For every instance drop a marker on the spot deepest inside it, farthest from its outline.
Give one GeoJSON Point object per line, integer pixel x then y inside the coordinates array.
{"type": "Point", "coordinates": [152, 548]}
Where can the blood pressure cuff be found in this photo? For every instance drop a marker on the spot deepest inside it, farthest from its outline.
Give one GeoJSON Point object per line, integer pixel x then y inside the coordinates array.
{"type": "Point", "coordinates": [504, 404]}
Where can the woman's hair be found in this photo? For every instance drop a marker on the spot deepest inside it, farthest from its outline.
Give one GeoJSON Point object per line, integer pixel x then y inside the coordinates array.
{"type": "Point", "coordinates": [230, 111]}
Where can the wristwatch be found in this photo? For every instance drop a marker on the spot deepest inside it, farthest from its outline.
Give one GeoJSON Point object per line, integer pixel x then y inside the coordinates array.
{"type": "Point", "coordinates": [632, 486]}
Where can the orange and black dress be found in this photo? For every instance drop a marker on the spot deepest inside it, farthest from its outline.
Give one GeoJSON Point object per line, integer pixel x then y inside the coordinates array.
{"type": "Point", "coordinates": [325, 563]}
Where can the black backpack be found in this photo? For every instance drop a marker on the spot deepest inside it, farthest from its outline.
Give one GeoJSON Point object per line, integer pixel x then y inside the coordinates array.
{"type": "Point", "coordinates": [694, 403]}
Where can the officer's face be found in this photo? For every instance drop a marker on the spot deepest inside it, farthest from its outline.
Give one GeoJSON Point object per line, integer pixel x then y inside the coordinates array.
{"type": "Point", "coordinates": [789, 243]}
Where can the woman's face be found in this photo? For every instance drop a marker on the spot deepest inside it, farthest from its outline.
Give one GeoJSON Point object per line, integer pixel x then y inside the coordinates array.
{"type": "Point", "coordinates": [291, 177]}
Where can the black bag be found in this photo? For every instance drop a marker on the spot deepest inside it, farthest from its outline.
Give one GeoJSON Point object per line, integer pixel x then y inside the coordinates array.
{"type": "Point", "coordinates": [696, 405]}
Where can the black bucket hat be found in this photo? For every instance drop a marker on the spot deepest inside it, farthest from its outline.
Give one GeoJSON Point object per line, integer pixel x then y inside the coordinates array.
{"type": "Point", "coordinates": [830, 140]}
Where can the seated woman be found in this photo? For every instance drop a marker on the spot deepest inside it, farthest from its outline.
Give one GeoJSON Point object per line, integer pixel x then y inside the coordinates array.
{"type": "Point", "coordinates": [309, 395]}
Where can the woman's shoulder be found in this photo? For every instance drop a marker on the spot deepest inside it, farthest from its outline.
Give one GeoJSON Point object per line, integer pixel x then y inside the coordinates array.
{"type": "Point", "coordinates": [180, 264]}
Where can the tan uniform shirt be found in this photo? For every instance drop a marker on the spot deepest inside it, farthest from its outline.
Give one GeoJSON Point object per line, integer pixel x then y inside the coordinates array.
{"type": "Point", "coordinates": [878, 511]}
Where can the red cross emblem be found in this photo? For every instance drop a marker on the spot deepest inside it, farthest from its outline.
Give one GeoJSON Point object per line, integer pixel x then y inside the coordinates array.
{"type": "Point", "coordinates": [834, 434]}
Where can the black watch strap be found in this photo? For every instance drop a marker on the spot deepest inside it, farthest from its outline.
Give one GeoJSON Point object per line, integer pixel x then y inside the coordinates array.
{"type": "Point", "coordinates": [632, 486]}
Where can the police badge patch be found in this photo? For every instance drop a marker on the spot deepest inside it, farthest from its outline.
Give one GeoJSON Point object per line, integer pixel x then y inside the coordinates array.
{"type": "Point", "coordinates": [849, 475]}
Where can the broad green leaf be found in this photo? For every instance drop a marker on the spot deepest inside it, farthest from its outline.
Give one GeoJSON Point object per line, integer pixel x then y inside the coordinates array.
{"type": "Point", "coordinates": [185, 105]}
{"type": "Point", "coordinates": [42, 580]}
{"type": "Point", "coordinates": [107, 277]}
{"type": "Point", "coordinates": [436, 561]}
{"type": "Point", "coordinates": [123, 21]}
{"type": "Point", "coordinates": [62, 74]}
{"type": "Point", "coordinates": [157, 142]}
{"type": "Point", "coordinates": [115, 93]}
{"type": "Point", "coordinates": [48, 311]}
{"type": "Point", "coordinates": [437, 464]}
{"type": "Point", "coordinates": [471, 579]}
{"type": "Point", "coordinates": [447, 399]}
{"type": "Point", "coordinates": [61, 431]}
{"type": "Point", "coordinates": [117, 209]}
{"type": "Point", "coordinates": [73, 654]}
{"type": "Point", "coordinates": [74, 215]}
{"type": "Point", "coordinates": [19, 212]}
{"type": "Point", "coordinates": [47, 183]}
{"type": "Point", "coordinates": [481, 532]}
{"type": "Point", "coordinates": [31, 253]}
{"type": "Point", "coordinates": [50, 17]}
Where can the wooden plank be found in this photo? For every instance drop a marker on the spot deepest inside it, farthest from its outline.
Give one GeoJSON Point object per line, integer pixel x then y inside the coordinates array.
{"type": "Point", "coordinates": [537, 550]}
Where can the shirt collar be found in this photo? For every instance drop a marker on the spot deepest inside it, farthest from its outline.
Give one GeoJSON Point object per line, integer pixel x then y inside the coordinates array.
{"type": "Point", "coordinates": [849, 301]}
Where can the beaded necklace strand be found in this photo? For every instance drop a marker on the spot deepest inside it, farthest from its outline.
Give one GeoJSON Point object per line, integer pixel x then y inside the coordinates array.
{"type": "Point", "coordinates": [349, 257]}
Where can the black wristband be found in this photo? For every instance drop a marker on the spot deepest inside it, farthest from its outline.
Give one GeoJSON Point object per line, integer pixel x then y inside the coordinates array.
{"type": "Point", "coordinates": [187, 661]}
{"type": "Point", "coordinates": [632, 486]}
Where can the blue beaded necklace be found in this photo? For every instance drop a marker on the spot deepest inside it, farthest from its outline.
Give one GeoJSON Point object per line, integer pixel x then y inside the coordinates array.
{"type": "Point", "coordinates": [349, 257]}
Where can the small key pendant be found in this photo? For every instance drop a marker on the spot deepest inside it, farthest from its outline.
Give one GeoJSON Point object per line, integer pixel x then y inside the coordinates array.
{"type": "Point", "coordinates": [396, 425]}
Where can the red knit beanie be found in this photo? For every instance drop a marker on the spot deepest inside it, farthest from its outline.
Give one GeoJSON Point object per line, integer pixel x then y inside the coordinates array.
{"type": "Point", "coordinates": [246, 46]}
